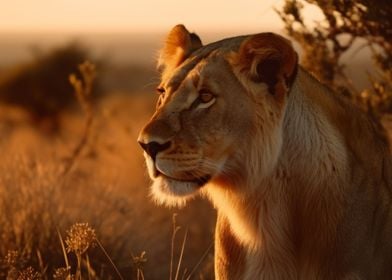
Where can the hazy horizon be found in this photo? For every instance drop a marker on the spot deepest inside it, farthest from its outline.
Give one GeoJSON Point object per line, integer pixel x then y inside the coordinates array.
{"type": "Point", "coordinates": [131, 16]}
{"type": "Point", "coordinates": [121, 47]}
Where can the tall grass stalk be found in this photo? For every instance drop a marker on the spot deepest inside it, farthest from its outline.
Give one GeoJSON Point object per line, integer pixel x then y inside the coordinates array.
{"type": "Point", "coordinates": [83, 91]}
{"type": "Point", "coordinates": [205, 254]}
{"type": "Point", "coordinates": [41, 265]}
{"type": "Point", "coordinates": [89, 268]}
{"type": "Point", "coordinates": [138, 262]}
{"type": "Point", "coordinates": [181, 254]}
{"type": "Point", "coordinates": [110, 260]}
{"type": "Point", "coordinates": [64, 252]}
{"type": "Point", "coordinates": [175, 230]}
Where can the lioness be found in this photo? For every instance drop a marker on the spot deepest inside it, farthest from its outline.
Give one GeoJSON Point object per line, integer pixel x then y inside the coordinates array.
{"type": "Point", "coordinates": [300, 178]}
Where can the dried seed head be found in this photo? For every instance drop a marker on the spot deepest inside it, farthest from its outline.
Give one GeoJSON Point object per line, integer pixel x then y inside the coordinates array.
{"type": "Point", "coordinates": [79, 238]}
{"type": "Point", "coordinates": [11, 258]}
{"type": "Point", "coordinates": [139, 261]}
{"type": "Point", "coordinates": [29, 274]}
{"type": "Point", "coordinates": [63, 273]}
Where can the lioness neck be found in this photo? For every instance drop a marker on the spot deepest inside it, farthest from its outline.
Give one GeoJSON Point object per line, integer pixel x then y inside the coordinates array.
{"type": "Point", "coordinates": [287, 213]}
{"type": "Point", "coordinates": [311, 142]}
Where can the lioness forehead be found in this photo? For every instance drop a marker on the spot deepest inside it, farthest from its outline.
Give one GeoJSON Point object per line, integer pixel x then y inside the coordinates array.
{"type": "Point", "coordinates": [195, 60]}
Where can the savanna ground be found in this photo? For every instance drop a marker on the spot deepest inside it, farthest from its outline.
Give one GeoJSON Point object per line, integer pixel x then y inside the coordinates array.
{"type": "Point", "coordinates": [95, 221]}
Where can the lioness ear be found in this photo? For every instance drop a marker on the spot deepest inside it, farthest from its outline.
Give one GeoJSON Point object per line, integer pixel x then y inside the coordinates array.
{"type": "Point", "coordinates": [178, 46]}
{"type": "Point", "coordinates": [268, 58]}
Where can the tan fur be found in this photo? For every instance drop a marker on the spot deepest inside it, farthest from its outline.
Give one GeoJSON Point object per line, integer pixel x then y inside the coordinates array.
{"type": "Point", "coordinates": [300, 178]}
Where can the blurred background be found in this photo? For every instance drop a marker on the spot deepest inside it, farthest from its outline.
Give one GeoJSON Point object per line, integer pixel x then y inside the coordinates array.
{"type": "Point", "coordinates": [73, 188]}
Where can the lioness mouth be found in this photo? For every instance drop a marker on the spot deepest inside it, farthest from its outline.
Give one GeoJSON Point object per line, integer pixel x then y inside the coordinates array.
{"type": "Point", "coordinates": [200, 181]}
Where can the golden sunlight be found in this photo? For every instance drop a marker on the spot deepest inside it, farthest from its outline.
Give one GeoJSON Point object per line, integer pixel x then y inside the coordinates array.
{"type": "Point", "coordinates": [239, 126]}
{"type": "Point", "coordinates": [150, 15]}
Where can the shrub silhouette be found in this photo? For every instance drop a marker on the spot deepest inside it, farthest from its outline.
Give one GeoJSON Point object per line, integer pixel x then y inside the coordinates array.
{"type": "Point", "coordinates": [42, 86]}
{"type": "Point", "coordinates": [345, 23]}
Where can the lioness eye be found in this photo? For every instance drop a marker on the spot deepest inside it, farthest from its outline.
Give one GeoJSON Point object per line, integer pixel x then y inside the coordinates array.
{"type": "Point", "coordinates": [160, 90]}
{"type": "Point", "coordinates": [205, 96]}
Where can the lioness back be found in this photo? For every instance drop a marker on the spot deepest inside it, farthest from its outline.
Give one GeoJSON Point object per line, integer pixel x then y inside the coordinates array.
{"type": "Point", "coordinates": [300, 178]}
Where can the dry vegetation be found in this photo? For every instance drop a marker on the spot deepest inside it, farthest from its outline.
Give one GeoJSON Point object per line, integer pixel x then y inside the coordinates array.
{"type": "Point", "coordinates": [94, 221]}
{"type": "Point", "coordinates": [345, 29]}
{"type": "Point", "coordinates": [73, 190]}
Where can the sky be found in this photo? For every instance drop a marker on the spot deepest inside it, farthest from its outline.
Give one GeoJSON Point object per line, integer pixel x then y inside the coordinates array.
{"type": "Point", "coordinates": [137, 15]}
{"type": "Point", "coordinates": [87, 17]}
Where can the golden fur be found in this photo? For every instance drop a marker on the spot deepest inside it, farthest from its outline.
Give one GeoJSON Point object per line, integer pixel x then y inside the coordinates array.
{"type": "Point", "coordinates": [300, 178]}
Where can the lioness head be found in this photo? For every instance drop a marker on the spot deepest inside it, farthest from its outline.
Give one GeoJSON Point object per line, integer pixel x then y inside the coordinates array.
{"type": "Point", "coordinates": [219, 114]}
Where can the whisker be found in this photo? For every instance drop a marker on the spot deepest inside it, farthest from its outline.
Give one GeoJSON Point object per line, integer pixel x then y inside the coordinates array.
{"type": "Point", "coordinates": [197, 173]}
{"type": "Point", "coordinates": [149, 84]}
{"type": "Point", "coordinates": [152, 82]}
{"type": "Point", "coordinates": [209, 165]}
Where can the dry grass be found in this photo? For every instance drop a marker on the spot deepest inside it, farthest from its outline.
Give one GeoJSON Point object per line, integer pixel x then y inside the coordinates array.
{"type": "Point", "coordinates": [106, 188]}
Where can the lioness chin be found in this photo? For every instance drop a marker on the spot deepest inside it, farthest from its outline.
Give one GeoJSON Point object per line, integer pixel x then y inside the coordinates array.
{"type": "Point", "coordinates": [300, 178]}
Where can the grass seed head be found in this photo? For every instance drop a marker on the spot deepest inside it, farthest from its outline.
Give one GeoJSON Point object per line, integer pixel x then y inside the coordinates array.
{"type": "Point", "coordinates": [63, 273]}
{"type": "Point", "coordinates": [139, 261]}
{"type": "Point", "coordinates": [11, 258]}
{"type": "Point", "coordinates": [79, 238]}
{"type": "Point", "coordinates": [29, 274]}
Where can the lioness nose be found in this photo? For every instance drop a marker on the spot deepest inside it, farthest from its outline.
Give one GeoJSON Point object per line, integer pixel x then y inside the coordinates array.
{"type": "Point", "coordinates": [153, 148]}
